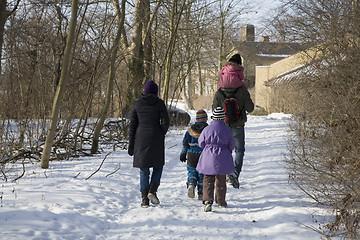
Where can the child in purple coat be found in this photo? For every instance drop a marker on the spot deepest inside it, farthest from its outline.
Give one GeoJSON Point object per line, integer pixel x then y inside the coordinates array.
{"type": "Point", "coordinates": [215, 161]}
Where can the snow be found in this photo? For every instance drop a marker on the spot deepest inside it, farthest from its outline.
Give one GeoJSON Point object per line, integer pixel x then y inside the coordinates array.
{"type": "Point", "coordinates": [279, 116]}
{"type": "Point", "coordinates": [273, 55]}
{"type": "Point", "coordinates": [59, 203]}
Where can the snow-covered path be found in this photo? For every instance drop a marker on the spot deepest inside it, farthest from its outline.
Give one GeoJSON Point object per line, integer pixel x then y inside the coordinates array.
{"type": "Point", "coordinates": [59, 203]}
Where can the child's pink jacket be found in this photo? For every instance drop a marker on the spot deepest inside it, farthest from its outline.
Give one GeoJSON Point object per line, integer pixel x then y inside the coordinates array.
{"type": "Point", "coordinates": [231, 76]}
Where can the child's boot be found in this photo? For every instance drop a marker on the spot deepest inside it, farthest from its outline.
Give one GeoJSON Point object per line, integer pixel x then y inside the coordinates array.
{"type": "Point", "coordinates": [208, 206]}
{"type": "Point", "coordinates": [191, 190]}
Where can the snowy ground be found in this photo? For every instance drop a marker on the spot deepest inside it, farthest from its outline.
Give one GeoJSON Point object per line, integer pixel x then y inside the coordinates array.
{"type": "Point", "coordinates": [59, 203]}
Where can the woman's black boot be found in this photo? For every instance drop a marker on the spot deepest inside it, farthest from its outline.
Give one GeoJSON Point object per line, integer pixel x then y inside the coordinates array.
{"type": "Point", "coordinates": [152, 193]}
{"type": "Point", "coordinates": [145, 199]}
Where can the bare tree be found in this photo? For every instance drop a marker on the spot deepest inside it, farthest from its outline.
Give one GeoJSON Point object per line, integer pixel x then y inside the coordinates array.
{"type": "Point", "coordinates": [175, 16]}
{"type": "Point", "coordinates": [139, 59]}
{"type": "Point", "coordinates": [120, 14]}
{"type": "Point", "coordinates": [4, 15]}
{"type": "Point", "coordinates": [60, 88]}
{"type": "Point", "coordinates": [38, 43]}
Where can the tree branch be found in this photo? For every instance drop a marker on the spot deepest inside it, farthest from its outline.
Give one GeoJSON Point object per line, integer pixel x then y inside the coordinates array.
{"type": "Point", "coordinates": [98, 167]}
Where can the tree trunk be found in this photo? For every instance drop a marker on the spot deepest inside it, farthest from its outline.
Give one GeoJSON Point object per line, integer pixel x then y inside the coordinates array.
{"type": "Point", "coordinates": [147, 44]}
{"type": "Point", "coordinates": [174, 23]}
{"type": "Point", "coordinates": [136, 61]}
{"type": "Point", "coordinates": [190, 88]}
{"type": "Point", "coordinates": [185, 98]}
{"type": "Point", "coordinates": [222, 32]}
{"type": "Point", "coordinates": [189, 47]}
{"type": "Point", "coordinates": [60, 88]}
{"type": "Point", "coordinates": [110, 82]}
{"type": "Point", "coordinates": [140, 60]}
{"type": "Point", "coordinates": [4, 15]}
{"type": "Point", "coordinates": [3, 18]}
{"type": "Point", "coordinates": [201, 84]}
{"type": "Point", "coordinates": [147, 41]}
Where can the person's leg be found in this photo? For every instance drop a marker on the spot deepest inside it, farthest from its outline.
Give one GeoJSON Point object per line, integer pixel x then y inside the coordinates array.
{"type": "Point", "coordinates": [154, 184]}
{"type": "Point", "coordinates": [192, 175]}
{"type": "Point", "coordinates": [220, 194]}
{"type": "Point", "coordinates": [200, 181]}
{"type": "Point", "coordinates": [192, 181]}
{"type": "Point", "coordinates": [208, 196]}
{"type": "Point", "coordinates": [156, 175]}
{"type": "Point", "coordinates": [144, 186]}
{"type": "Point", "coordinates": [144, 179]}
{"type": "Point", "coordinates": [209, 183]}
{"type": "Point", "coordinates": [239, 136]}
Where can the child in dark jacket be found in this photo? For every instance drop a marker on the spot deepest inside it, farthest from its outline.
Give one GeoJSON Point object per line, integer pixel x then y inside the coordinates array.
{"type": "Point", "coordinates": [192, 150]}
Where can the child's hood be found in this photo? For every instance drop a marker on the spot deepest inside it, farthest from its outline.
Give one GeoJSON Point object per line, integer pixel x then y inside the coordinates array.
{"type": "Point", "coordinates": [231, 65]}
{"type": "Point", "coordinates": [196, 129]}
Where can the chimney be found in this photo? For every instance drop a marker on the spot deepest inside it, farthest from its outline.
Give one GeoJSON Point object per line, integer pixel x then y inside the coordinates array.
{"type": "Point", "coordinates": [265, 38]}
{"type": "Point", "coordinates": [248, 33]}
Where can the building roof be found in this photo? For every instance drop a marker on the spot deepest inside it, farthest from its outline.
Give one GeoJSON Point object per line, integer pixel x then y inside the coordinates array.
{"type": "Point", "coordinates": [301, 73]}
{"type": "Point", "coordinates": [289, 76]}
{"type": "Point", "coordinates": [267, 49]}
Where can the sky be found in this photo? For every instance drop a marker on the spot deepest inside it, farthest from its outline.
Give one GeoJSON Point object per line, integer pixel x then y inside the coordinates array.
{"type": "Point", "coordinates": [260, 9]}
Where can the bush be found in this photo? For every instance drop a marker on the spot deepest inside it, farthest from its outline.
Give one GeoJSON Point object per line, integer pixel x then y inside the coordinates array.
{"type": "Point", "coordinates": [325, 139]}
{"type": "Point", "coordinates": [325, 135]}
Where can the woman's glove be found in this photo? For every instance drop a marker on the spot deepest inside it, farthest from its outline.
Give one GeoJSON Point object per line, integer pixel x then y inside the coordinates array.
{"type": "Point", "coordinates": [131, 150]}
{"type": "Point", "coordinates": [183, 157]}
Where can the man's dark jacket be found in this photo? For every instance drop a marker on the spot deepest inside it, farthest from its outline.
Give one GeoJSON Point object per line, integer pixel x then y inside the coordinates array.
{"type": "Point", "coordinates": [243, 99]}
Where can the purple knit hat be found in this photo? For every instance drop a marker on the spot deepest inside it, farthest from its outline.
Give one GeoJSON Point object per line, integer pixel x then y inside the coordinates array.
{"type": "Point", "coordinates": [151, 87]}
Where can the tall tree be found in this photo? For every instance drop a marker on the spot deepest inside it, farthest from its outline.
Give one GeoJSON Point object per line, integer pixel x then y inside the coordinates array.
{"type": "Point", "coordinates": [147, 39]}
{"type": "Point", "coordinates": [189, 45]}
{"type": "Point", "coordinates": [222, 34]}
{"type": "Point", "coordinates": [229, 16]}
{"type": "Point", "coordinates": [136, 57]}
{"type": "Point", "coordinates": [140, 55]}
{"type": "Point", "coordinates": [60, 88]}
{"type": "Point", "coordinates": [4, 15]}
{"type": "Point", "coordinates": [120, 15]}
{"type": "Point", "coordinates": [175, 17]}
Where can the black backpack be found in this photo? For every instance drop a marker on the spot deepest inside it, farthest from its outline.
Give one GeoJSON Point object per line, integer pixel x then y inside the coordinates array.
{"type": "Point", "coordinates": [231, 108]}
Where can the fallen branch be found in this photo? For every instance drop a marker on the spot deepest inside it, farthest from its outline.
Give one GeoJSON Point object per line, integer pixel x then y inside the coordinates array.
{"type": "Point", "coordinates": [117, 169]}
{"type": "Point", "coordinates": [172, 146]}
{"type": "Point", "coordinates": [99, 166]}
{"type": "Point", "coordinates": [5, 178]}
{"type": "Point", "coordinates": [77, 175]}
{"type": "Point", "coordinates": [23, 173]}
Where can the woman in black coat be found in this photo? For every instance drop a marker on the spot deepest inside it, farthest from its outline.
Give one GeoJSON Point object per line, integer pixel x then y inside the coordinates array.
{"type": "Point", "coordinates": [149, 122]}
